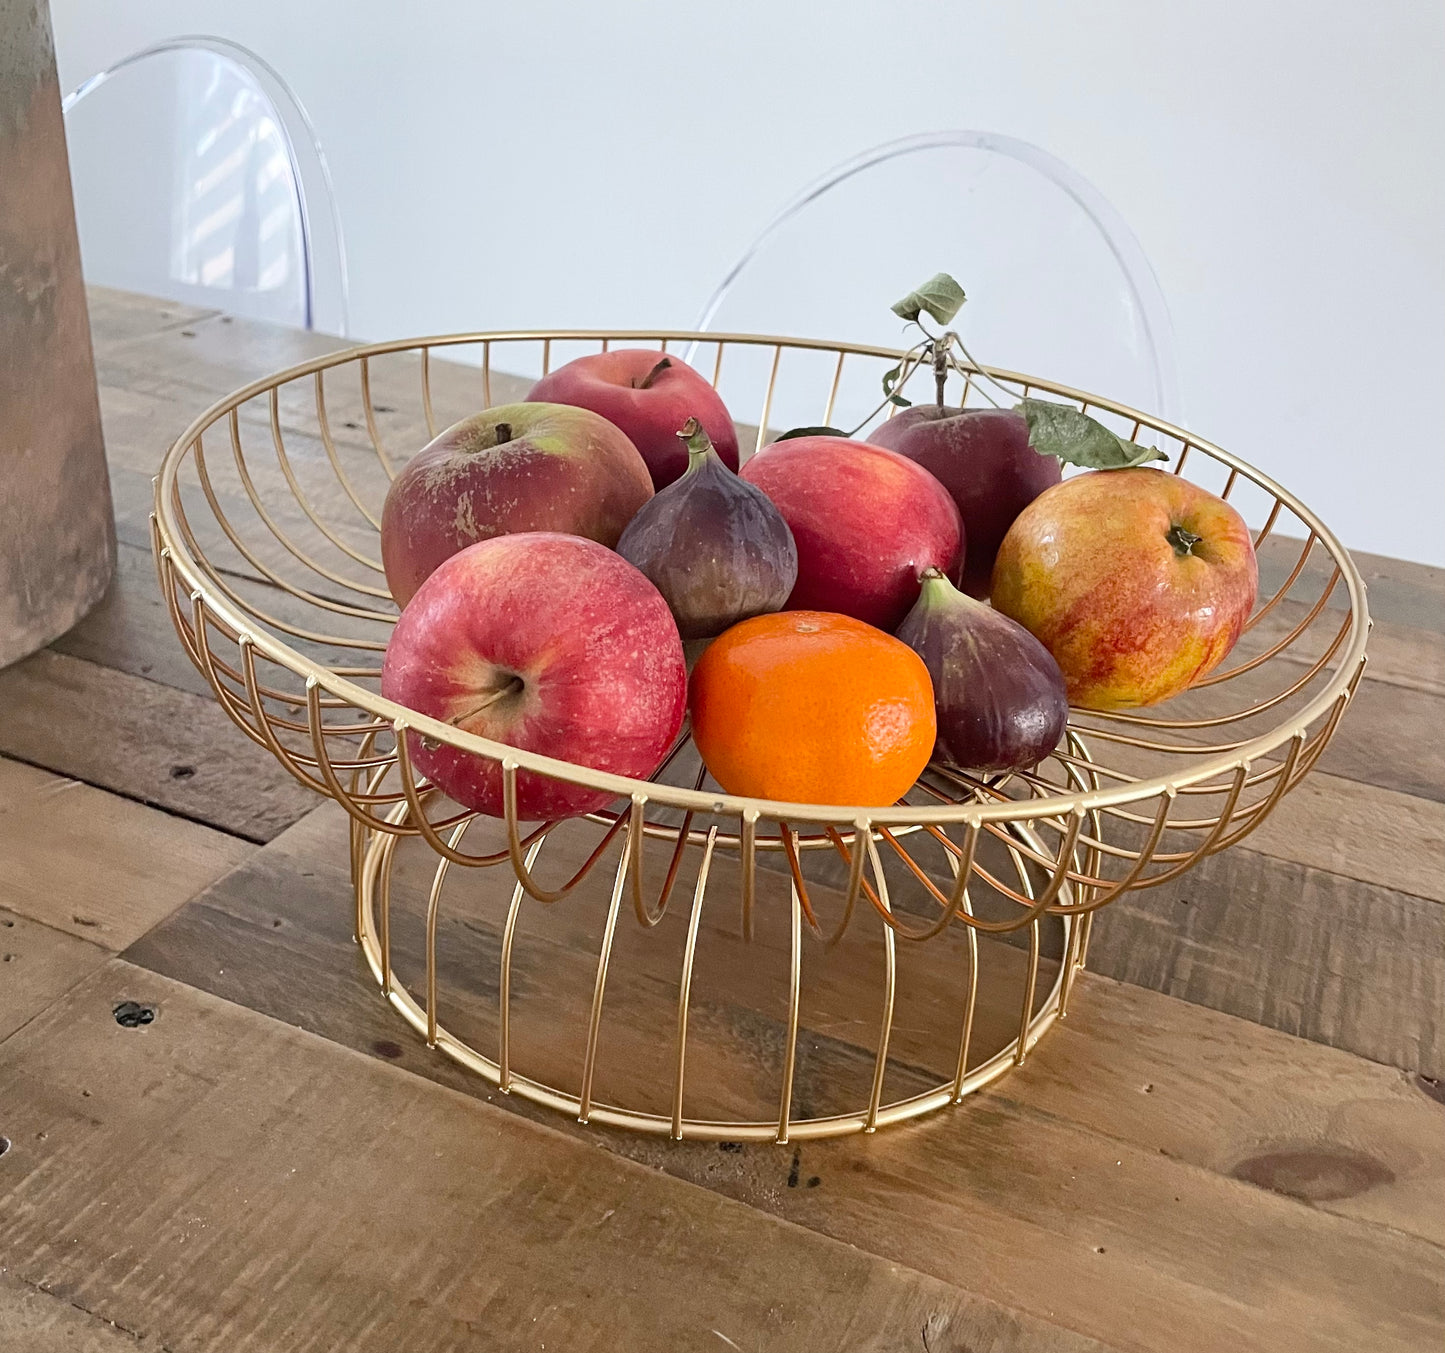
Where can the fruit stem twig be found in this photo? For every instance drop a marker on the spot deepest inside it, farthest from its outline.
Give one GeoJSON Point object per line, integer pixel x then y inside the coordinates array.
{"type": "Point", "coordinates": [912, 359]}
{"type": "Point", "coordinates": [696, 440]}
{"type": "Point", "coordinates": [655, 373]}
{"type": "Point", "coordinates": [514, 684]}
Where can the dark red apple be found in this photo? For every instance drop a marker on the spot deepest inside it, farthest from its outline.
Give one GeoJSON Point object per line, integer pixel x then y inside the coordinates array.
{"type": "Point", "coordinates": [983, 458]}
{"type": "Point", "coordinates": [518, 467]}
{"type": "Point", "coordinates": [866, 522]}
{"type": "Point", "coordinates": [649, 395]}
{"type": "Point", "coordinates": [549, 643]}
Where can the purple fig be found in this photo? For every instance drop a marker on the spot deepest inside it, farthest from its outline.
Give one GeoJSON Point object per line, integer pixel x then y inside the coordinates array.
{"type": "Point", "coordinates": [712, 544]}
{"type": "Point", "coordinates": [999, 694]}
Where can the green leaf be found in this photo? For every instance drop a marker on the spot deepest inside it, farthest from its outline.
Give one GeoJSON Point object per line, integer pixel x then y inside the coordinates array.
{"type": "Point", "coordinates": [1076, 439]}
{"type": "Point", "coordinates": [941, 296]}
{"type": "Point", "coordinates": [890, 380]}
{"type": "Point", "coordinates": [810, 432]}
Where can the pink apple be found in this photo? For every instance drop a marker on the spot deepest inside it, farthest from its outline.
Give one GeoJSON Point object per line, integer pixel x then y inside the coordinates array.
{"type": "Point", "coordinates": [649, 395]}
{"type": "Point", "coordinates": [549, 643]}
{"type": "Point", "coordinates": [866, 522]}
{"type": "Point", "coordinates": [983, 458]}
{"type": "Point", "coordinates": [518, 467]}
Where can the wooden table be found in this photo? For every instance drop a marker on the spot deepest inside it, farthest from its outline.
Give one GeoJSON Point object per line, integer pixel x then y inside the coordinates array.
{"type": "Point", "coordinates": [1237, 1140]}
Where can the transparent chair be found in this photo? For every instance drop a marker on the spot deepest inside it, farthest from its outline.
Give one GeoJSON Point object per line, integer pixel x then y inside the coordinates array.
{"type": "Point", "coordinates": [198, 175]}
{"type": "Point", "coordinates": [1057, 283]}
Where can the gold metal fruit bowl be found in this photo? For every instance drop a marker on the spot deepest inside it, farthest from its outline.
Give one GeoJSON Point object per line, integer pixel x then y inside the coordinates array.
{"type": "Point", "coordinates": [688, 962]}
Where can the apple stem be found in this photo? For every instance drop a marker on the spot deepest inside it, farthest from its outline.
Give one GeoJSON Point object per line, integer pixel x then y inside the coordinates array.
{"type": "Point", "coordinates": [940, 367]}
{"type": "Point", "coordinates": [1182, 540]}
{"type": "Point", "coordinates": [512, 686]}
{"type": "Point", "coordinates": [504, 433]}
{"type": "Point", "coordinates": [654, 374]}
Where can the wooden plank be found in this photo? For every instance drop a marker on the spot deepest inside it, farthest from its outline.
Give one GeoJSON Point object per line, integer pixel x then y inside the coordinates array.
{"type": "Point", "coordinates": [1084, 1193]}
{"type": "Point", "coordinates": [161, 746]}
{"type": "Point", "coordinates": [120, 317]}
{"type": "Point", "coordinates": [1344, 1134]}
{"type": "Point", "coordinates": [37, 1322]}
{"type": "Point", "coordinates": [217, 1180]}
{"type": "Point", "coordinates": [54, 830]}
{"type": "Point", "coordinates": [1328, 958]}
{"type": "Point", "coordinates": [1361, 832]}
{"type": "Point", "coordinates": [37, 966]}
{"type": "Point", "coordinates": [286, 914]}
{"type": "Point", "coordinates": [275, 935]}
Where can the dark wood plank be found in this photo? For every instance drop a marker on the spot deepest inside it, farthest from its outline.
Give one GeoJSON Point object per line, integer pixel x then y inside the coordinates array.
{"type": "Point", "coordinates": [149, 742]}
{"type": "Point", "coordinates": [386, 1213]}
{"type": "Point", "coordinates": [1068, 1179]}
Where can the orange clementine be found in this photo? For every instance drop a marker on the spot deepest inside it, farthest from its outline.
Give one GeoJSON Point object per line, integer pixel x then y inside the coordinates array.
{"type": "Point", "coordinates": [812, 707]}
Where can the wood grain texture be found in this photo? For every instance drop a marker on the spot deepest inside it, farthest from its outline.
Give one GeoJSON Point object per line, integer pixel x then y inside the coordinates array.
{"type": "Point", "coordinates": [33, 1320]}
{"type": "Point", "coordinates": [193, 1164]}
{"type": "Point", "coordinates": [1055, 1171]}
{"type": "Point", "coordinates": [1328, 958]}
{"type": "Point", "coordinates": [144, 741]}
{"type": "Point", "coordinates": [37, 966]}
{"type": "Point", "coordinates": [95, 865]}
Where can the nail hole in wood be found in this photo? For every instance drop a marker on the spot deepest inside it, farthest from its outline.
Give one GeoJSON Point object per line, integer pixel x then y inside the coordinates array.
{"type": "Point", "coordinates": [132, 1014]}
{"type": "Point", "coordinates": [1432, 1086]}
{"type": "Point", "coordinates": [182, 772]}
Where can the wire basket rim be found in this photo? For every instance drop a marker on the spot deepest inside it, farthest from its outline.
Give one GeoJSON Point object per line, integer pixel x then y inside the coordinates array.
{"type": "Point", "coordinates": [171, 541]}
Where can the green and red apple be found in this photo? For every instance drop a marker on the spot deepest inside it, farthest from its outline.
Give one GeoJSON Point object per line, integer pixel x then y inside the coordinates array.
{"type": "Point", "coordinates": [1137, 581]}
{"type": "Point", "coordinates": [518, 467]}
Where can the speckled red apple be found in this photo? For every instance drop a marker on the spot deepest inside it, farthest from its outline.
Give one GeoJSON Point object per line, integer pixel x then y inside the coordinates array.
{"type": "Point", "coordinates": [649, 394]}
{"type": "Point", "coordinates": [549, 643]}
{"type": "Point", "coordinates": [518, 467]}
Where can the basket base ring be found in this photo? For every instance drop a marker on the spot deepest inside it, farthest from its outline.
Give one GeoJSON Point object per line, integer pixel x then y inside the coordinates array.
{"type": "Point", "coordinates": [374, 864]}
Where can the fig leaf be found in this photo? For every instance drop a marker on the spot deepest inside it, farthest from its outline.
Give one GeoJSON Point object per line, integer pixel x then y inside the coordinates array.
{"type": "Point", "coordinates": [940, 296]}
{"type": "Point", "coordinates": [1076, 439]}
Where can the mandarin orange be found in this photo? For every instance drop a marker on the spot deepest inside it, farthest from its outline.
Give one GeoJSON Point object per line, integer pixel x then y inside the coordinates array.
{"type": "Point", "coordinates": [812, 707]}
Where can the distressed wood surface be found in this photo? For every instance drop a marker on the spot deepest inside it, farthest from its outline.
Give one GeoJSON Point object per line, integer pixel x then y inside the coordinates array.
{"type": "Point", "coordinates": [38, 965]}
{"type": "Point", "coordinates": [1149, 1145]}
{"type": "Point", "coordinates": [1167, 1171]}
{"type": "Point", "coordinates": [95, 865]}
{"type": "Point", "coordinates": [164, 1177]}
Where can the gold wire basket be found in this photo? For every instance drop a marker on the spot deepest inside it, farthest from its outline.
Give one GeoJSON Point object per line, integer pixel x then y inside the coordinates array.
{"type": "Point", "coordinates": [775, 985]}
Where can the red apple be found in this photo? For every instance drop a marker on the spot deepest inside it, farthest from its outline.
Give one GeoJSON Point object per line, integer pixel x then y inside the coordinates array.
{"type": "Point", "coordinates": [867, 522]}
{"type": "Point", "coordinates": [518, 467]}
{"type": "Point", "coordinates": [983, 458]}
{"type": "Point", "coordinates": [1137, 581]}
{"type": "Point", "coordinates": [649, 395]}
{"type": "Point", "coordinates": [549, 643]}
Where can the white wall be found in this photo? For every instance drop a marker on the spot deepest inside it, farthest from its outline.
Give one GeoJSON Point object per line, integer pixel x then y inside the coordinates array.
{"type": "Point", "coordinates": [545, 162]}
